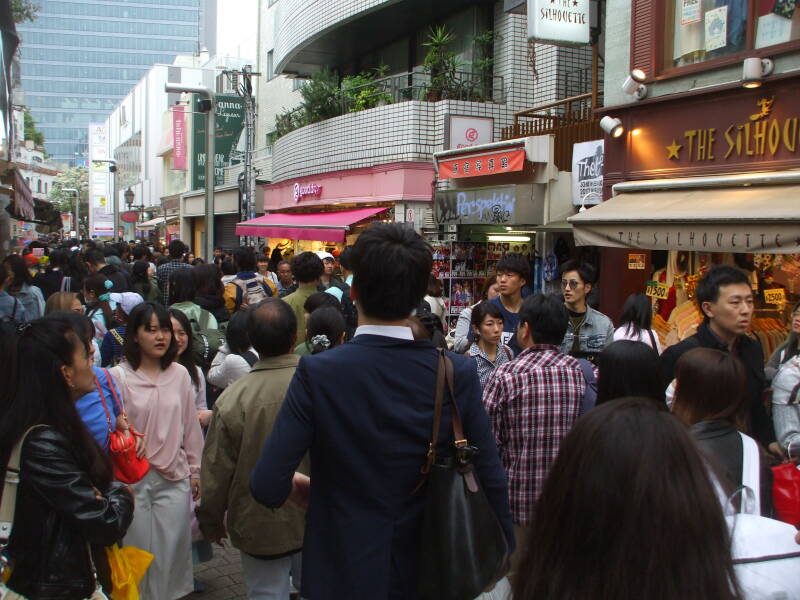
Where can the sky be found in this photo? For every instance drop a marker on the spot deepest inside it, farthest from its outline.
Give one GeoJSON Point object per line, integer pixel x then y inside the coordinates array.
{"type": "Point", "coordinates": [237, 28]}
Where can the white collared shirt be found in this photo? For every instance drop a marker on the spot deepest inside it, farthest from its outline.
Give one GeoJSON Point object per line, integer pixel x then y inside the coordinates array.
{"type": "Point", "coordinates": [391, 331]}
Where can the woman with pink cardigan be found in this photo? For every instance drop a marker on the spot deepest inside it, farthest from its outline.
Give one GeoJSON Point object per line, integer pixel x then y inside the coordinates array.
{"type": "Point", "coordinates": [159, 400]}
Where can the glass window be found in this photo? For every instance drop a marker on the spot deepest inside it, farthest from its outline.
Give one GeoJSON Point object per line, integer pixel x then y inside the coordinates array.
{"type": "Point", "coordinates": [703, 30]}
{"type": "Point", "coordinates": [270, 66]}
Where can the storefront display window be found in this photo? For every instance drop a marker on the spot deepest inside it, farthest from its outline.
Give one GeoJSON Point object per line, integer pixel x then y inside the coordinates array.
{"type": "Point", "coordinates": [703, 30]}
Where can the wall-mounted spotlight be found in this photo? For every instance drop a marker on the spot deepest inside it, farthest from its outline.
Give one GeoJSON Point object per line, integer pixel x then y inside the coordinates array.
{"type": "Point", "coordinates": [612, 126]}
{"type": "Point", "coordinates": [754, 70]}
{"type": "Point", "coordinates": [634, 84]}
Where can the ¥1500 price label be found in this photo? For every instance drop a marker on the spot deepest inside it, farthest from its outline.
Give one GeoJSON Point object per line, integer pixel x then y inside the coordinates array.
{"type": "Point", "coordinates": [775, 296]}
{"type": "Point", "coordinates": [657, 290]}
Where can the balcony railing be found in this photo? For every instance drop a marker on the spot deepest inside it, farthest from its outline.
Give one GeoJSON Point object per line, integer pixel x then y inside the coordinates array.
{"type": "Point", "coordinates": [571, 120]}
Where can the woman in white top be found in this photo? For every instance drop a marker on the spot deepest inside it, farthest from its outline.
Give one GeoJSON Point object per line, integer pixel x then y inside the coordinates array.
{"type": "Point", "coordinates": [636, 322]}
{"type": "Point", "coordinates": [435, 300]}
{"type": "Point", "coordinates": [236, 357]}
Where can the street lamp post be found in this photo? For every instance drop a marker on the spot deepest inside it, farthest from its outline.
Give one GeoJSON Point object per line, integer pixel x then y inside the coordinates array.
{"type": "Point", "coordinates": [129, 195]}
{"type": "Point", "coordinates": [211, 126]}
{"type": "Point", "coordinates": [112, 168]}
{"type": "Point", "coordinates": [77, 210]}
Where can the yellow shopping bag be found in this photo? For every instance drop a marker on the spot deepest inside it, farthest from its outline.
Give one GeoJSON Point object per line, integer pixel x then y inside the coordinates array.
{"type": "Point", "coordinates": [128, 566]}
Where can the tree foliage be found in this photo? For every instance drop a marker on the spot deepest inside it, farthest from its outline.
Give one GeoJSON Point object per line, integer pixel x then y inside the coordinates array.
{"type": "Point", "coordinates": [76, 178]}
{"type": "Point", "coordinates": [31, 132]}
{"type": "Point", "coordinates": [24, 11]}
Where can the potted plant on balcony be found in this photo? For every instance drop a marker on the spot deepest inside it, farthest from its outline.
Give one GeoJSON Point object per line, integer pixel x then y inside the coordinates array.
{"type": "Point", "coordinates": [365, 90]}
{"type": "Point", "coordinates": [321, 97]}
{"type": "Point", "coordinates": [440, 64]}
{"type": "Point", "coordinates": [483, 66]}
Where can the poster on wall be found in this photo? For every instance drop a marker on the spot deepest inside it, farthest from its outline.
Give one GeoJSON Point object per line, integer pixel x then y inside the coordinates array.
{"type": "Point", "coordinates": [716, 28]}
{"type": "Point", "coordinates": [229, 115]}
{"type": "Point", "coordinates": [101, 211]}
{"type": "Point", "coordinates": [690, 12]}
{"type": "Point", "coordinates": [559, 21]}
{"type": "Point", "coordinates": [464, 132]}
{"type": "Point", "coordinates": [587, 173]}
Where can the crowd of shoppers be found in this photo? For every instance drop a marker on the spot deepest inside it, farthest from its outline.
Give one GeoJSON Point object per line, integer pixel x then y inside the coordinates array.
{"type": "Point", "coordinates": [287, 406]}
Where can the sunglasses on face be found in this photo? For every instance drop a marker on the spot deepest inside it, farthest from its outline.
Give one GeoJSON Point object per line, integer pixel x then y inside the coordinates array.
{"type": "Point", "coordinates": [572, 284]}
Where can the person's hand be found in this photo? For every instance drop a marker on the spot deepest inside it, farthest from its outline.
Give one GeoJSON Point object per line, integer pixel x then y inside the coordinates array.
{"type": "Point", "coordinates": [301, 490]}
{"type": "Point", "coordinates": [220, 537]}
{"type": "Point", "coordinates": [205, 417]}
{"type": "Point", "coordinates": [194, 483]}
{"type": "Point", "coordinates": [775, 449]}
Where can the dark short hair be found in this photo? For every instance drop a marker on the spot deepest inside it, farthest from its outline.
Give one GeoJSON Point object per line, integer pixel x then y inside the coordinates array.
{"type": "Point", "coordinates": [346, 258]}
{"type": "Point", "coordinates": [327, 321]}
{"type": "Point", "coordinates": [273, 327]}
{"type": "Point", "coordinates": [307, 267]}
{"type": "Point", "coordinates": [227, 267]}
{"type": "Point", "coordinates": [629, 369]}
{"type": "Point", "coordinates": [140, 316]}
{"type": "Point", "coordinates": [181, 286]}
{"type": "Point", "coordinates": [244, 258]}
{"type": "Point", "coordinates": [717, 277]}
{"type": "Point", "coordinates": [320, 299]}
{"type": "Point", "coordinates": [94, 257]}
{"type": "Point", "coordinates": [140, 251]}
{"type": "Point", "coordinates": [207, 280]}
{"type": "Point", "coordinates": [176, 249]}
{"type": "Point", "coordinates": [483, 310]}
{"type": "Point", "coordinates": [586, 272]}
{"type": "Point", "coordinates": [237, 335]}
{"type": "Point", "coordinates": [283, 262]}
{"type": "Point", "coordinates": [546, 316]}
{"type": "Point", "coordinates": [391, 264]}
{"type": "Point", "coordinates": [515, 263]}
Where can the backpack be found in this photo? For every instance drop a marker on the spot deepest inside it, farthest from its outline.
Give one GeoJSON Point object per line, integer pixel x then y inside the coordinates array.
{"type": "Point", "coordinates": [252, 292]}
{"type": "Point", "coordinates": [206, 342]}
{"type": "Point", "coordinates": [590, 393]}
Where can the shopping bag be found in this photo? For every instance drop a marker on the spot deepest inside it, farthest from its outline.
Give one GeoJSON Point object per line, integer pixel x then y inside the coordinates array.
{"type": "Point", "coordinates": [786, 492]}
{"type": "Point", "coordinates": [128, 566]}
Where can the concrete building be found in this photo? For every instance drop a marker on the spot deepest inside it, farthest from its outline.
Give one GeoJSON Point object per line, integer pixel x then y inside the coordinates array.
{"type": "Point", "coordinates": [79, 59]}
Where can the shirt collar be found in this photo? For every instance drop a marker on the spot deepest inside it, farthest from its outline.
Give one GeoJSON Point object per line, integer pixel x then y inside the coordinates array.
{"type": "Point", "coordinates": [349, 280]}
{"type": "Point", "coordinates": [391, 331]}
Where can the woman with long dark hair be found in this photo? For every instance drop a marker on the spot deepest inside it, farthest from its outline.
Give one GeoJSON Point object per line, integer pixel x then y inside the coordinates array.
{"type": "Point", "coordinates": [636, 322]}
{"type": "Point", "coordinates": [99, 306]}
{"type": "Point", "coordinates": [627, 512]}
{"type": "Point", "coordinates": [144, 283]}
{"type": "Point", "coordinates": [629, 369]}
{"type": "Point", "coordinates": [209, 291]}
{"type": "Point", "coordinates": [159, 399]}
{"type": "Point", "coordinates": [182, 330]}
{"type": "Point", "coordinates": [788, 350]}
{"type": "Point", "coordinates": [22, 288]}
{"type": "Point", "coordinates": [66, 501]}
{"type": "Point", "coordinates": [236, 356]}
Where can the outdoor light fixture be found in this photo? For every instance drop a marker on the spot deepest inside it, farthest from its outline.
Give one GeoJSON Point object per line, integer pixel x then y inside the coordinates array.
{"type": "Point", "coordinates": [634, 84]}
{"type": "Point", "coordinates": [754, 70]}
{"type": "Point", "coordinates": [612, 126]}
{"type": "Point", "coordinates": [129, 195]}
{"type": "Point", "coordinates": [509, 238]}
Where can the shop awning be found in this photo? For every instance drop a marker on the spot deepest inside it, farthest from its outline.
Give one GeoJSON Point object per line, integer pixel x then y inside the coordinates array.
{"type": "Point", "coordinates": [726, 219]}
{"type": "Point", "coordinates": [324, 227]}
{"type": "Point", "coordinates": [153, 223]}
{"type": "Point", "coordinates": [23, 198]}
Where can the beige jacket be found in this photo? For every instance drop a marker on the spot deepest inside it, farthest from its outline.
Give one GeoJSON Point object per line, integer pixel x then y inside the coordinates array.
{"type": "Point", "coordinates": [243, 418]}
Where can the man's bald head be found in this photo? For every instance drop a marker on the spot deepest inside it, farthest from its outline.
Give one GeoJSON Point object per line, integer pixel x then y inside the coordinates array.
{"type": "Point", "coordinates": [273, 328]}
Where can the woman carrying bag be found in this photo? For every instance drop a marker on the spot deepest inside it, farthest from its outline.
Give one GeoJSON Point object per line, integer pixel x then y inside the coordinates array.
{"type": "Point", "coordinates": [65, 508]}
{"type": "Point", "coordinates": [159, 398]}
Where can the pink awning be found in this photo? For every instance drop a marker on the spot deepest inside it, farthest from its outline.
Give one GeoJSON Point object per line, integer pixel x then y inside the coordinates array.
{"type": "Point", "coordinates": [323, 227]}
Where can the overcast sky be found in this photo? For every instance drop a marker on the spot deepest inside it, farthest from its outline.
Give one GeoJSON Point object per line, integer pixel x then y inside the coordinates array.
{"type": "Point", "coordinates": [237, 28]}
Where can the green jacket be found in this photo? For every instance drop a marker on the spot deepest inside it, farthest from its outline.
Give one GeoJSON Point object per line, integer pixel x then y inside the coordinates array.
{"type": "Point", "coordinates": [296, 300]}
{"type": "Point", "coordinates": [242, 421]}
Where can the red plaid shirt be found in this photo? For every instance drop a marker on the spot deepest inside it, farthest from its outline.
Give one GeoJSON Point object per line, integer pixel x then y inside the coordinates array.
{"type": "Point", "coordinates": [532, 403]}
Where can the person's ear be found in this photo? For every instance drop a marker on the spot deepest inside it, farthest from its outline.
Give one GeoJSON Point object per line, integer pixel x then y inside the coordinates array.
{"type": "Point", "coordinates": [707, 309]}
{"type": "Point", "coordinates": [67, 374]}
{"type": "Point", "coordinates": [588, 287]}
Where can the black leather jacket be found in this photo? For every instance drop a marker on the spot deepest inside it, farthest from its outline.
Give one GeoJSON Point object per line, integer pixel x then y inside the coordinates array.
{"type": "Point", "coordinates": [57, 513]}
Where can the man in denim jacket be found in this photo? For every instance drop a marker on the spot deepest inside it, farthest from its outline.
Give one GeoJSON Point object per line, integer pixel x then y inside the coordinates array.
{"type": "Point", "coordinates": [588, 331]}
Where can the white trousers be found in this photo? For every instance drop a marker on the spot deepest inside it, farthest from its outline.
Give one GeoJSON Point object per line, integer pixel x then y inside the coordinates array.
{"type": "Point", "coordinates": [269, 579]}
{"type": "Point", "coordinates": [161, 526]}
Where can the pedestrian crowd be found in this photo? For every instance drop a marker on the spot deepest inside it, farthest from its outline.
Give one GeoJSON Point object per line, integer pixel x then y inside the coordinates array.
{"type": "Point", "coordinates": [318, 415]}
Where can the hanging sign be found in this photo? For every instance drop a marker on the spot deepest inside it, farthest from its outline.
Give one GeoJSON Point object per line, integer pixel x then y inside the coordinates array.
{"type": "Point", "coordinates": [178, 139]}
{"type": "Point", "coordinates": [637, 262]}
{"type": "Point", "coordinates": [559, 21]}
{"type": "Point", "coordinates": [587, 173]}
{"type": "Point", "coordinates": [478, 165]}
{"type": "Point", "coordinates": [229, 115]}
{"type": "Point", "coordinates": [775, 296]}
{"type": "Point", "coordinates": [657, 290]}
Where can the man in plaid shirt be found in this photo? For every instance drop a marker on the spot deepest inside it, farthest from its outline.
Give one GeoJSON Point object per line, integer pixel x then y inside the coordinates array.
{"type": "Point", "coordinates": [532, 403]}
{"type": "Point", "coordinates": [176, 251]}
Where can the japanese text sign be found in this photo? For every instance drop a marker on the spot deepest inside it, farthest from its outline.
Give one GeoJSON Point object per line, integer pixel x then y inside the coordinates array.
{"type": "Point", "coordinates": [484, 164]}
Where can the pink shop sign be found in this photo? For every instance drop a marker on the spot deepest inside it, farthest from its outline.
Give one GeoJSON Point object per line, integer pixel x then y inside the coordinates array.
{"type": "Point", "coordinates": [305, 190]}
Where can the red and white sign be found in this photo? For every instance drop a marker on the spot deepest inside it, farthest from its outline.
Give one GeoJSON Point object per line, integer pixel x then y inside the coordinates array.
{"type": "Point", "coordinates": [308, 189]}
{"type": "Point", "coordinates": [478, 165]}
{"type": "Point", "coordinates": [470, 131]}
{"type": "Point", "coordinates": [178, 139]}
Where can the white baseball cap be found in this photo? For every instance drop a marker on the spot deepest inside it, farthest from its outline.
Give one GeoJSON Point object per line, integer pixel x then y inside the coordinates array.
{"type": "Point", "coordinates": [323, 255]}
{"type": "Point", "coordinates": [127, 301]}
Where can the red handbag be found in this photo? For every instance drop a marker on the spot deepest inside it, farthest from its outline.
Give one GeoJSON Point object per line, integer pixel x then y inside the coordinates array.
{"type": "Point", "coordinates": [786, 493]}
{"type": "Point", "coordinates": [128, 468]}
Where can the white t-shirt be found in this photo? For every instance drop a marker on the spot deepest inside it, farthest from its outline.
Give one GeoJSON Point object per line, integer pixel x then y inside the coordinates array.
{"type": "Point", "coordinates": [622, 333]}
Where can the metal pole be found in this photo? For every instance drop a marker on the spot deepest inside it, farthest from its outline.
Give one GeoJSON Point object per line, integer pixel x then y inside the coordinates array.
{"type": "Point", "coordinates": [77, 209]}
{"type": "Point", "coordinates": [211, 152]}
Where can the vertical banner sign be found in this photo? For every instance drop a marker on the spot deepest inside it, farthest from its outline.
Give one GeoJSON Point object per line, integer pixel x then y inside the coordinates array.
{"type": "Point", "coordinates": [178, 139]}
{"type": "Point", "coordinates": [559, 21]}
{"type": "Point", "coordinates": [101, 211]}
{"type": "Point", "coordinates": [587, 173]}
{"type": "Point", "coordinates": [230, 122]}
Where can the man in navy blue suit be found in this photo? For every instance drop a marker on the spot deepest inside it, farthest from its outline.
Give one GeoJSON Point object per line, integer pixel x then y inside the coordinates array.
{"type": "Point", "coordinates": [364, 411]}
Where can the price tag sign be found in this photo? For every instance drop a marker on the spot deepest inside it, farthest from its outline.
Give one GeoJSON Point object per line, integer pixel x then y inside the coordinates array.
{"type": "Point", "coordinates": [657, 290]}
{"type": "Point", "coordinates": [637, 262]}
{"type": "Point", "coordinates": [776, 296]}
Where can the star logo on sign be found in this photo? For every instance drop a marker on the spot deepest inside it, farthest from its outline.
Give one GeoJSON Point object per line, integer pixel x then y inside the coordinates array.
{"type": "Point", "coordinates": [574, 2]}
{"type": "Point", "coordinates": [672, 150]}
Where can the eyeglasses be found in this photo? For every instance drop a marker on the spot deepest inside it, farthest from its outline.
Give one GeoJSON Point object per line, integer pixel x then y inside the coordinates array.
{"type": "Point", "coordinates": [572, 284]}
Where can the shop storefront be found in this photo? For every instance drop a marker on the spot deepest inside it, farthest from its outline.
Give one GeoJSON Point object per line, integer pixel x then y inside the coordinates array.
{"type": "Point", "coordinates": [496, 198]}
{"type": "Point", "coordinates": [329, 211]}
{"type": "Point", "coordinates": [192, 219]}
{"type": "Point", "coordinates": [696, 181]}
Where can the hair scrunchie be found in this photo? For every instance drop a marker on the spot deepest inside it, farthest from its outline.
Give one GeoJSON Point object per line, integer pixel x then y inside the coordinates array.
{"type": "Point", "coordinates": [321, 340]}
{"type": "Point", "coordinates": [104, 297]}
{"type": "Point", "coordinates": [108, 284]}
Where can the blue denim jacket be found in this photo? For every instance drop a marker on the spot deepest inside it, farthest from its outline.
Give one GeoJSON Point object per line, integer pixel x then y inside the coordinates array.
{"type": "Point", "coordinates": [596, 333]}
{"type": "Point", "coordinates": [8, 305]}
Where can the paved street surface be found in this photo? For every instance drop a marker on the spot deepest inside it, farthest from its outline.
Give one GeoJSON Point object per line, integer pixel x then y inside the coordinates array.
{"type": "Point", "coordinates": [222, 576]}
